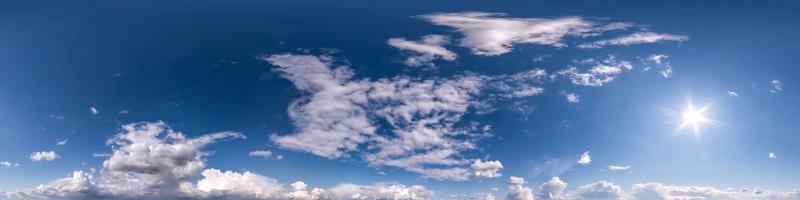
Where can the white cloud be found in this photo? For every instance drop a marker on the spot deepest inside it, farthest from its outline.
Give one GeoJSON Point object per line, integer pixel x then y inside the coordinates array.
{"type": "Point", "coordinates": [5, 164]}
{"type": "Point", "coordinates": [492, 34]}
{"type": "Point", "coordinates": [635, 38]}
{"type": "Point", "coordinates": [94, 110]}
{"type": "Point", "coordinates": [264, 154]}
{"type": "Point", "coordinates": [601, 73]}
{"type": "Point", "coordinates": [600, 190]}
{"type": "Point", "coordinates": [380, 191]}
{"type": "Point", "coordinates": [772, 155]}
{"type": "Point", "coordinates": [571, 97]}
{"type": "Point", "coordinates": [62, 142]}
{"type": "Point", "coordinates": [425, 51]}
{"type": "Point", "coordinates": [247, 185]}
{"type": "Point", "coordinates": [517, 189]}
{"type": "Point", "coordinates": [101, 155]}
{"type": "Point", "coordinates": [488, 169]}
{"type": "Point", "coordinates": [776, 86]}
{"type": "Point", "coordinates": [124, 112]}
{"type": "Point", "coordinates": [619, 168]}
{"type": "Point", "coordinates": [77, 186]}
{"type": "Point", "coordinates": [151, 161]}
{"type": "Point", "coordinates": [335, 118]}
{"type": "Point", "coordinates": [644, 191]}
{"type": "Point", "coordinates": [44, 156]}
{"type": "Point", "coordinates": [733, 94]}
{"type": "Point", "coordinates": [585, 159]}
{"type": "Point", "coordinates": [657, 58]}
{"type": "Point", "coordinates": [553, 189]}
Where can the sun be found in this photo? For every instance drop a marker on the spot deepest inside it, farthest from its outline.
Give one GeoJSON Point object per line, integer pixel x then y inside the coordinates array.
{"type": "Point", "coordinates": [692, 117]}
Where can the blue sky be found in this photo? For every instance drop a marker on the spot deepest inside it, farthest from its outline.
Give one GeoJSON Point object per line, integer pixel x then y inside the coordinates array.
{"type": "Point", "coordinates": [433, 100]}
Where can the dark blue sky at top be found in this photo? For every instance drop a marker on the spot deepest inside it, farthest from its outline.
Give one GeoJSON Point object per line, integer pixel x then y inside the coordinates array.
{"type": "Point", "coordinates": [192, 64]}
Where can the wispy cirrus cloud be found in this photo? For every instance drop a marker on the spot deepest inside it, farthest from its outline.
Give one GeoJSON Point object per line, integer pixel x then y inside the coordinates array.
{"type": "Point", "coordinates": [335, 120]}
{"type": "Point", "coordinates": [424, 51]}
{"type": "Point", "coordinates": [491, 34]}
{"type": "Point", "coordinates": [635, 38]}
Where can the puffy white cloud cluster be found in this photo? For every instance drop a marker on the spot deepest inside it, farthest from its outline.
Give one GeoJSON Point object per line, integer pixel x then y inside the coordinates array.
{"type": "Point", "coordinates": [518, 189]}
{"type": "Point", "coordinates": [635, 38]}
{"type": "Point", "coordinates": [425, 51]}
{"type": "Point", "coordinates": [151, 161]}
{"type": "Point", "coordinates": [662, 191]}
{"type": "Point", "coordinates": [600, 73]}
{"type": "Point", "coordinates": [491, 34]}
{"type": "Point", "coordinates": [380, 191]}
{"type": "Point", "coordinates": [44, 156]}
{"type": "Point", "coordinates": [338, 117]}
{"type": "Point", "coordinates": [600, 190]}
{"type": "Point", "coordinates": [553, 189]}
{"type": "Point", "coordinates": [488, 169]}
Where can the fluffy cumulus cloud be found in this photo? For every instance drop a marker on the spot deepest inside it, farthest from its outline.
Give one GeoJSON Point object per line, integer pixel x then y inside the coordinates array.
{"type": "Point", "coordinates": [77, 186]}
{"type": "Point", "coordinates": [151, 161]}
{"type": "Point", "coordinates": [8, 164]}
{"type": "Point", "coordinates": [488, 169]}
{"type": "Point", "coordinates": [635, 38]}
{"type": "Point", "coordinates": [662, 191]}
{"type": "Point", "coordinates": [585, 159]}
{"type": "Point", "coordinates": [601, 72]}
{"type": "Point", "coordinates": [337, 115]}
{"type": "Point", "coordinates": [380, 191]}
{"type": "Point", "coordinates": [600, 190]}
{"type": "Point", "coordinates": [44, 156]}
{"type": "Point", "coordinates": [518, 189]}
{"type": "Point", "coordinates": [553, 189]}
{"type": "Point", "coordinates": [424, 51]}
{"type": "Point", "coordinates": [491, 34]}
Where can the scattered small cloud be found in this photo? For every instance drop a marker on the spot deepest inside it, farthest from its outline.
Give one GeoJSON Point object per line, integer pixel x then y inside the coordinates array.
{"type": "Point", "coordinates": [733, 94]}
{"type": "Point", "coordinates": [585, 159]}
{"type": "Point", "coordinates": [619, 168]}
{"type": "Point", "coordinates": [101, 155]}
{"type": "Point", "coordinates": [541, 58]}
{"type": "Point", "coordinates": [124, 112]}
{"type": "Point", "coordinates": [571, 96]}
{"type": "Point", "coordinates": [57, 117]}
{"type": "Point", "coordinates": [44, 156]}
{"type": "Point", "coordinates": [776, 86]}
{"type": "Point", "coordinates": [772, 155]}
{"type": "Point", "coordinates": [265, 154]}
{"type": "Point", "coordinates": [62, 142]}
{"type": "Point", "coordinates": [94, 110]}
{"type": "Point", "coordinates": [8, 164]}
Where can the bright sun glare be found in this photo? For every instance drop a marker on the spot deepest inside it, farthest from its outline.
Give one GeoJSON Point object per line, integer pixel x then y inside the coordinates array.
{"type": "Point", "coordinates": [694, 117]}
